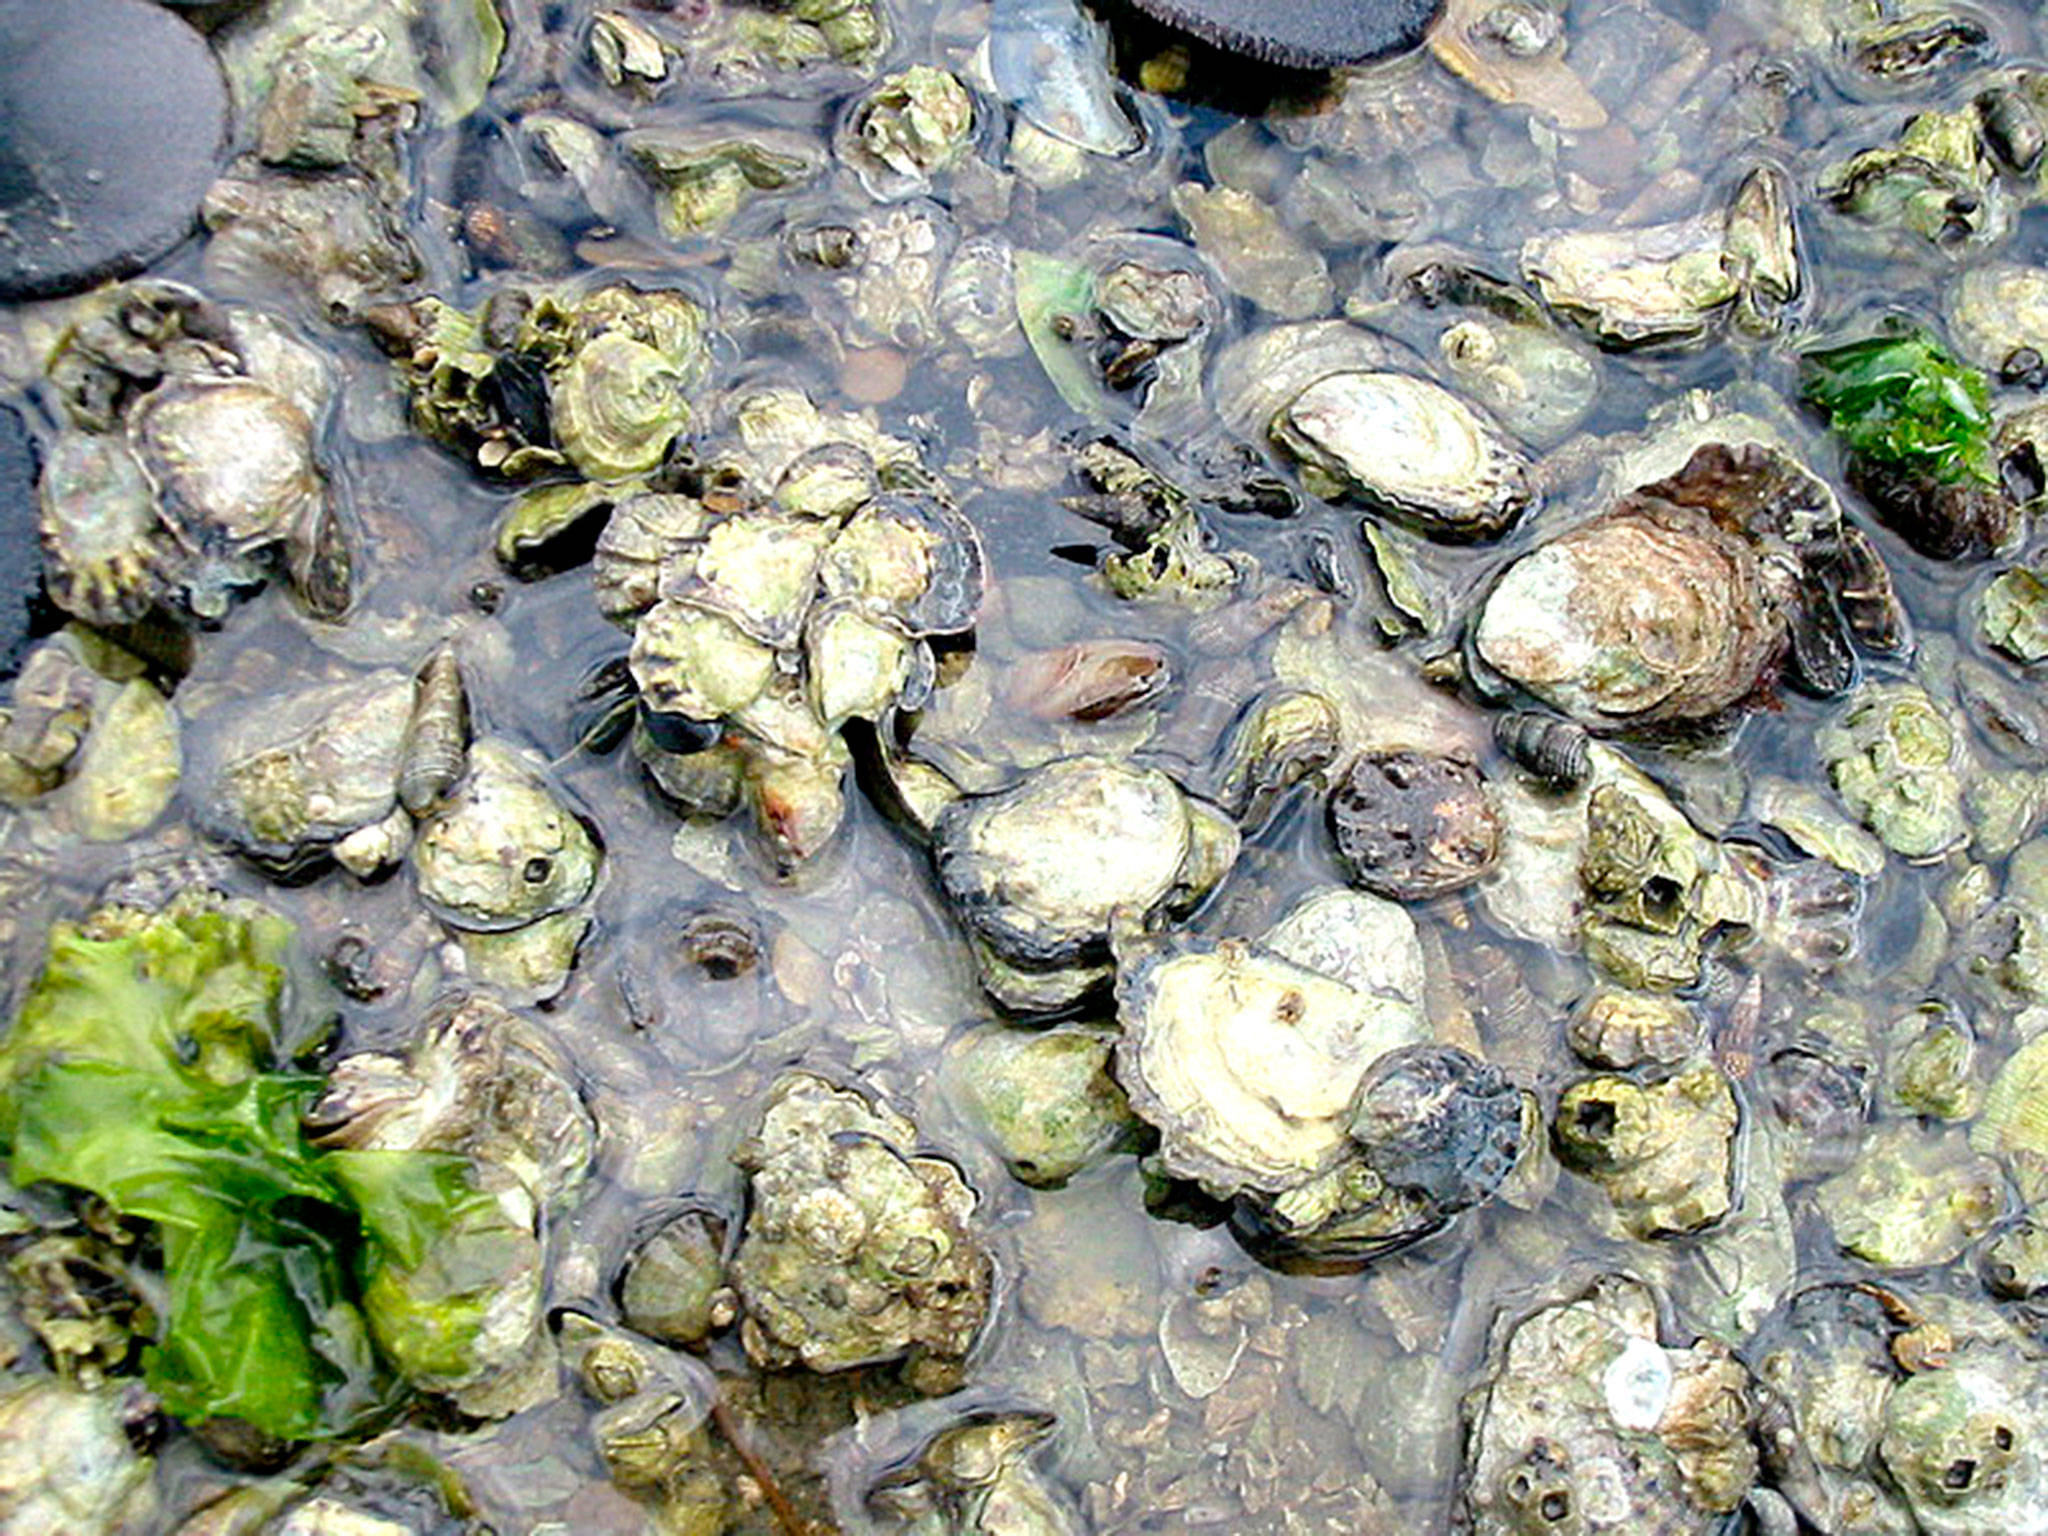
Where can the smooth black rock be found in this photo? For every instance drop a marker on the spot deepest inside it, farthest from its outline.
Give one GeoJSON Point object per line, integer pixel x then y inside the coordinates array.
{"type": "Point", "coordinates": [1302, 34]}
{"type": "Point", "coordinates": [24, 613]}
{"type": "Point", "coordinates": [113, 118]}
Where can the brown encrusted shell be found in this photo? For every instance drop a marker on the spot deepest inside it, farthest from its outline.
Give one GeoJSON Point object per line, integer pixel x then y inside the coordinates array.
{"type": "Point", "coordinates": [1412, 825]}
{"type": "Point", "coordinates": [1660, 611]}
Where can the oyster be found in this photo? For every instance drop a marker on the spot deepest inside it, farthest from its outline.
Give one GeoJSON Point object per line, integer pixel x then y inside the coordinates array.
{"type": "Point", "coordinates": [1247, 1063]}
{"type": "Point", "coordinates": [1036, 871]}
{"type": "Point", "coordinates": [706, 173]}
{"type": "Point", "coordinates": [189, 467]}
{"type": "Point", "coordinates": [1663, 1153]}
{"type": "Point", "coordinates": [1911, 1198]}
{"type": "Point", "coordinates": [1655, 891]}
{"type": "Point", "coordinates": [1590, 1424]}
{"type": "Point", "coordinates": [1339, 401]}
{"type": "Point", "coordinates": [1674, 607]}
{"type": "Point", "coordinates": [1288, 1074]}
{"type": "Point", "coordinates": [978, 1478]}
{"type": "Point", "coordinates": [673, 1287]}
{"type": "Point", "coordinates": [501, 851]}
{"type": "Point", "coordinates": [905, 130]}
{"type": "Point", "coordinates": [1896, 758]}
{"type": "Point", "coordinates": [1409, 447]}
{"type": "Point", "coordinates": [292, 778]}
{"type": "Point", "coordinates": [600, 382]}
{"type": "Point", "coordinates": [857, 1248]}
{"type": "Point", "coordinates": [1963, 1442]}
{"type": "Point", "coordinates": [1655, 286]}
{"type": "Point", "coordinates": [794, 595]}
{"type": "Point", "coordinates": [68, 1464]}
{"type": "Point", "coordinates": [1044, 1098]}
{"type": "Point", "coordinates": [479, 1080]}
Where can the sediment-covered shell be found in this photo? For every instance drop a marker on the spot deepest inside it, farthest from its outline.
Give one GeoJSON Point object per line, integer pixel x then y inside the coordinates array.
{"type": "Point", "coordinates": [501, 851]}
{"type": "Point", "coordinates": [858, 1248]}
{"type": "Point", "coordinates": [1590, 1424]}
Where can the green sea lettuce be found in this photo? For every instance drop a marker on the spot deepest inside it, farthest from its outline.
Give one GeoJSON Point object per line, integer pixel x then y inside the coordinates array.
{"type": "Point", "coordinates": [1900, 400]}
{"type": "Point", "coordinates": [145, 1068]}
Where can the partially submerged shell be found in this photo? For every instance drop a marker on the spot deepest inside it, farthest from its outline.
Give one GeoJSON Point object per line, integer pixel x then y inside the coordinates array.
{"type": "Point", "coordinates": [1407, 447]}
{"type": "Point", "coordinates": [298, 775]}
{"type": "Point", "coordinates": [1635, 287]}
{"type": "Point", "coordinates": [1037, 871]}
{"type": "Point", "coordinates": [1895, 757]}
{"type": "Point", "coordinates": [1654, 613]}
{"type": "Point", "coordinates": [1247, 1063]}
{"type": "Point", "coordinates": [106, 546]}
{"type": "Point", "coordinates": [1591, 1424]}
{"type": "Point", "coordinates": [858, 1248]}
{"type": "Point", "coordinates": [501, 851]}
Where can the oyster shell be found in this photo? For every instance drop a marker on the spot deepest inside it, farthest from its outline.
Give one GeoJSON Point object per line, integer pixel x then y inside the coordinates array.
{"type": "Point", "coordinates": [501, 851]}
{"type": "Point", "coordinates": [1037, 871]}
{"type": "Point", "coordinates": [1895, 757]}
{"type": "Point", "coordinates": [858, 1249]}
{"type": "Point", "coordinates": [1653, 613]}
{"type": "Point", "coordinates": [1407, 447]}
{"type": "Point", "coordinates": [295, 777]}
{"type": "Point", "coordinates": [1591, 1424]}
{"type": "Point", "coordinates": [1246, 1062]}
{"type": "Point", "coordinates": [479, 1080]}
{"type": "Point", "coordinates": [1664, 1154]}
{"type": "Point", "coordinates": [1655, 286]}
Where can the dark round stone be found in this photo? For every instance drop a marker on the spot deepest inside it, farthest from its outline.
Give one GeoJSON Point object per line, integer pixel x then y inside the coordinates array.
{"type": "Point", "coordinates": [24, 613]}
{"type": "Point", "coordinates": [115, 115]}
{"type": "Point", "coordinates": [1409, 825]}
{"type": "Point", "coordinates": [1302, 34]}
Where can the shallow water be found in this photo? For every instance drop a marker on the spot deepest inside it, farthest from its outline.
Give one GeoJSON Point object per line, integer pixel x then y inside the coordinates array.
{"type": "Point", "coordinates": [1320, 1402]}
